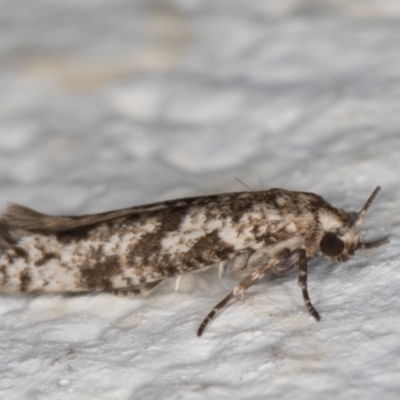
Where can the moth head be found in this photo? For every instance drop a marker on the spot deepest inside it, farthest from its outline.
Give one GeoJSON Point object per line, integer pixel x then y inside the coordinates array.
{"type": "Point", "coordinates": [340, 242]}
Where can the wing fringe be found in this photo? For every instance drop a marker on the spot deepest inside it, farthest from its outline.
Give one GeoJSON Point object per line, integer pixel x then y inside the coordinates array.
{"type": "Point", "coordinates": [17, 221]}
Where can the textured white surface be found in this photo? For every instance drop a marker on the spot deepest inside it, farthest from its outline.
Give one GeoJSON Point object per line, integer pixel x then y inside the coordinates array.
{"type": "Point", "coordinates": [106, 104]}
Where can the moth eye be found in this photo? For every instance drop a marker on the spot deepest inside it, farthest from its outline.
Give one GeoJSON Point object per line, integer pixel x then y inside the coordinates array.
{"type": "Point", "coordinates": [331, 245]}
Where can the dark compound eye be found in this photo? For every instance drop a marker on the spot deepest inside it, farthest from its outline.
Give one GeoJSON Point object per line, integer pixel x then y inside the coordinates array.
{"type": "Point", "coordinates": [331, 245]}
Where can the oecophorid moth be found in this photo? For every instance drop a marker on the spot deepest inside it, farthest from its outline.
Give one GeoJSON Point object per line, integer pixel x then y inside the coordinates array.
{"type": "Point", "coordinates": [133, 250]}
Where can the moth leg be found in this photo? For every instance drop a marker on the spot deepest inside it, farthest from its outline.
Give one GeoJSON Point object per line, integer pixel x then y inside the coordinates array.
{"type": "Point", "coordinates": [222, 266]}
{"type": "Point", "coordinates": [134, 291]}
{"type": "Point", "coordinates": [371, 245]}
{"type": "Point", "coordinates": [178, 282]}
{"type": "Point", "coordinates": [239, 289]}
{"type": "Point", "coordinates": [211, 315]}
{"type": "Point", "coordinates": [302, 282]}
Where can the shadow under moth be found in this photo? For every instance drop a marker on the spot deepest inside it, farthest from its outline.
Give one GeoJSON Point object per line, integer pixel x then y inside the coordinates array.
{"type": "Point", "coordinates": [130, 251]}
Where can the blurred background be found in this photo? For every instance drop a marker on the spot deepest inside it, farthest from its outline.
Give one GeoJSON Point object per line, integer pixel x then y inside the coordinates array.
{"type": "Point", "coordinates": [106, 104]}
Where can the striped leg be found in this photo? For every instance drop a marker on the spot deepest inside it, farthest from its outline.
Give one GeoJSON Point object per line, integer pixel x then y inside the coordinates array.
{"type": "Point", "coordinates": [239, 289]}
{"type": "Point", "coordinates": [278, 265]}
{"type": "Point", "coordinates": [303, 283]}
{"type": "Point", "coordinates": [211, 315]}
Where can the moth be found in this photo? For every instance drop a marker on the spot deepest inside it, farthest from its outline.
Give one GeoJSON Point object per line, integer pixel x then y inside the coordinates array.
{"type": "Point", "coordinates": [131, 251]}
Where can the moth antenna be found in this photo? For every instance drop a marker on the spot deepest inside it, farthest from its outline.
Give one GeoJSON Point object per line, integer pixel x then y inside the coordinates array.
{"type": "Point", "coordinates": [361, 214]}
{"type": "Point", "coordinates": [247, 186]}
{"type": "Point", "coordinates": [261, 181]}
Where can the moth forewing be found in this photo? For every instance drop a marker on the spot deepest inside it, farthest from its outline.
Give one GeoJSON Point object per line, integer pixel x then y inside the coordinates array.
{"type": "Point", "coordinates": [132, 250]}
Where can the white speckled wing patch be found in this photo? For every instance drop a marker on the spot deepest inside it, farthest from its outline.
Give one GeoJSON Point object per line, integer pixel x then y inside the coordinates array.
{"type": "Point", "coordinates": [132, 250]}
